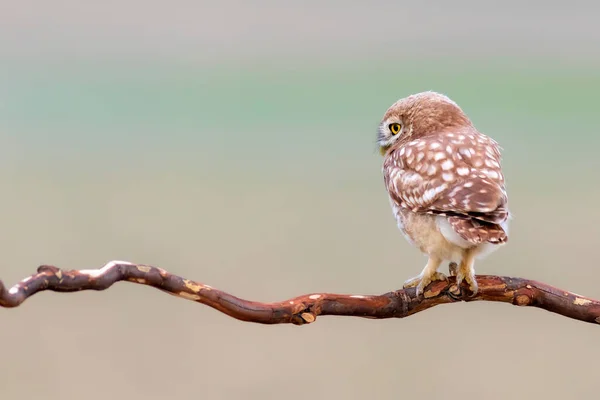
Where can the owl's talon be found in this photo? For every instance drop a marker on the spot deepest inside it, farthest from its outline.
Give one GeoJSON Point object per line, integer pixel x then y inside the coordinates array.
{"type": "Point", "coordinates": [422, 281]}
{"type": "Point", "coordinates": [470, 279]}
{"type": "Point", "coordinates": [412, 282]}
{"type": "Point", "coordinates": [453, 268]}
{"type": "Point", "coordinates": [474, 287]}
{"type": "Point", "coordinates": [438, 276]}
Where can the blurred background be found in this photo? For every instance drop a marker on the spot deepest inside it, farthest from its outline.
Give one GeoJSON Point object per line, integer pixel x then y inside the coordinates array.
{"type": "Point", "coordinates": [233, 143]}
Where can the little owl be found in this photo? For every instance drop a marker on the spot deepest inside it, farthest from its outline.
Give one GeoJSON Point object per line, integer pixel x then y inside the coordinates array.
{"type": "Point", "coordinates": [445, 185]}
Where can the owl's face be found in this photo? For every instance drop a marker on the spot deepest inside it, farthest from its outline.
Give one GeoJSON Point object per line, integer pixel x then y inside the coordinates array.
{"type": "Point", "coordinates": [416, 116]}
{"type": "Point", "coordinates": [390, 131]}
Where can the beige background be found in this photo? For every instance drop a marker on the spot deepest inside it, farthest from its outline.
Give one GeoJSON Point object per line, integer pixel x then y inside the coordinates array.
{"type": "Point", "coordinates": [234, 143]}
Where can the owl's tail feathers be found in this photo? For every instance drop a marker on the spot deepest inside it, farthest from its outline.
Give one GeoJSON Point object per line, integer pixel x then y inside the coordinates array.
{"type": "Point", "coordinates": [476, 231]}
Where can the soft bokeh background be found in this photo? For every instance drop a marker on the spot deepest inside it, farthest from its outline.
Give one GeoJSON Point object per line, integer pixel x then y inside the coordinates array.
{"type": "Point", "coordinates": [234, 143]}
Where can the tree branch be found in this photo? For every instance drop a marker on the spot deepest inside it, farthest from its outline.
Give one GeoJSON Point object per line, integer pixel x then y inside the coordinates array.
{"type": "Point", "coordinates": [305, 309]}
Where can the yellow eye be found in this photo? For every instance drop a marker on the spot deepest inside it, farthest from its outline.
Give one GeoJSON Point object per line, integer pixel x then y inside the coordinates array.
{"type": "Point", "coordinates": [395, 128]}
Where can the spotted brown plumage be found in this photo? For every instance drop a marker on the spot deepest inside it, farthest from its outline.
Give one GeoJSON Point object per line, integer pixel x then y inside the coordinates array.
{"type": "Point", "coordinates": [445, 183]}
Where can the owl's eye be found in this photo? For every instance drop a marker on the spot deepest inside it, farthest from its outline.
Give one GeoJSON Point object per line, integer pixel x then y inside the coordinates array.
{"type": "Point", "coordinates": [395, 128]}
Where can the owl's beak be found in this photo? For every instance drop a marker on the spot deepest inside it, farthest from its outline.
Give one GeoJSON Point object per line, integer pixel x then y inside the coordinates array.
{"type": "Point", "coordinates": [383, 150]}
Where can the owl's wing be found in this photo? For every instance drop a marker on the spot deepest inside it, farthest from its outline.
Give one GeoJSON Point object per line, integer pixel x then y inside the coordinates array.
{"type": "Point", "coordinates": [456, 175]}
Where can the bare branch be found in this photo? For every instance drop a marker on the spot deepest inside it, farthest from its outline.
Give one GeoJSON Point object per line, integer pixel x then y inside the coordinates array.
{"type": "Point", "coordinates": [305, 309]}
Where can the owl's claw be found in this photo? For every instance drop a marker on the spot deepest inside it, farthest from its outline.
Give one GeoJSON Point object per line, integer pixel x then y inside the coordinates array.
{"type": "Point", "coordinates": [422, 281]}
{"type": "Point", "coordinates": [453, 268]}
{"type": "Point", "coordinates": [469, 277]}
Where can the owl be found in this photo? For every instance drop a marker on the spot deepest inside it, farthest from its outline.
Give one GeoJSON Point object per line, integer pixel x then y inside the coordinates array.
{"type": "Point", "coordinates": [445, 185]}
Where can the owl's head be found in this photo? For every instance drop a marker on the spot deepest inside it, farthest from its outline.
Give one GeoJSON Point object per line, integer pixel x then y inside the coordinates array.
{"type": "Point", "coordinates": [416, 116]}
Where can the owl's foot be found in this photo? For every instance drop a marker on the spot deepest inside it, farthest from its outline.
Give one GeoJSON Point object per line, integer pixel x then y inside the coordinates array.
{"type": "Point", "coordinates": [467, 275]}
{"type": "Point", "coordinates": [422, 280]}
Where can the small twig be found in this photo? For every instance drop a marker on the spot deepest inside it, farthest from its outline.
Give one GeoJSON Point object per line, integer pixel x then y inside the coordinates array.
{"type": "Point", "coordinates": [305, 309]}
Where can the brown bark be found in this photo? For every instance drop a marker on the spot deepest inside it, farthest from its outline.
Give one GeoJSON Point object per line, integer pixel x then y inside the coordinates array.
{"type": "Point", "coordinates": [305, 309]}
